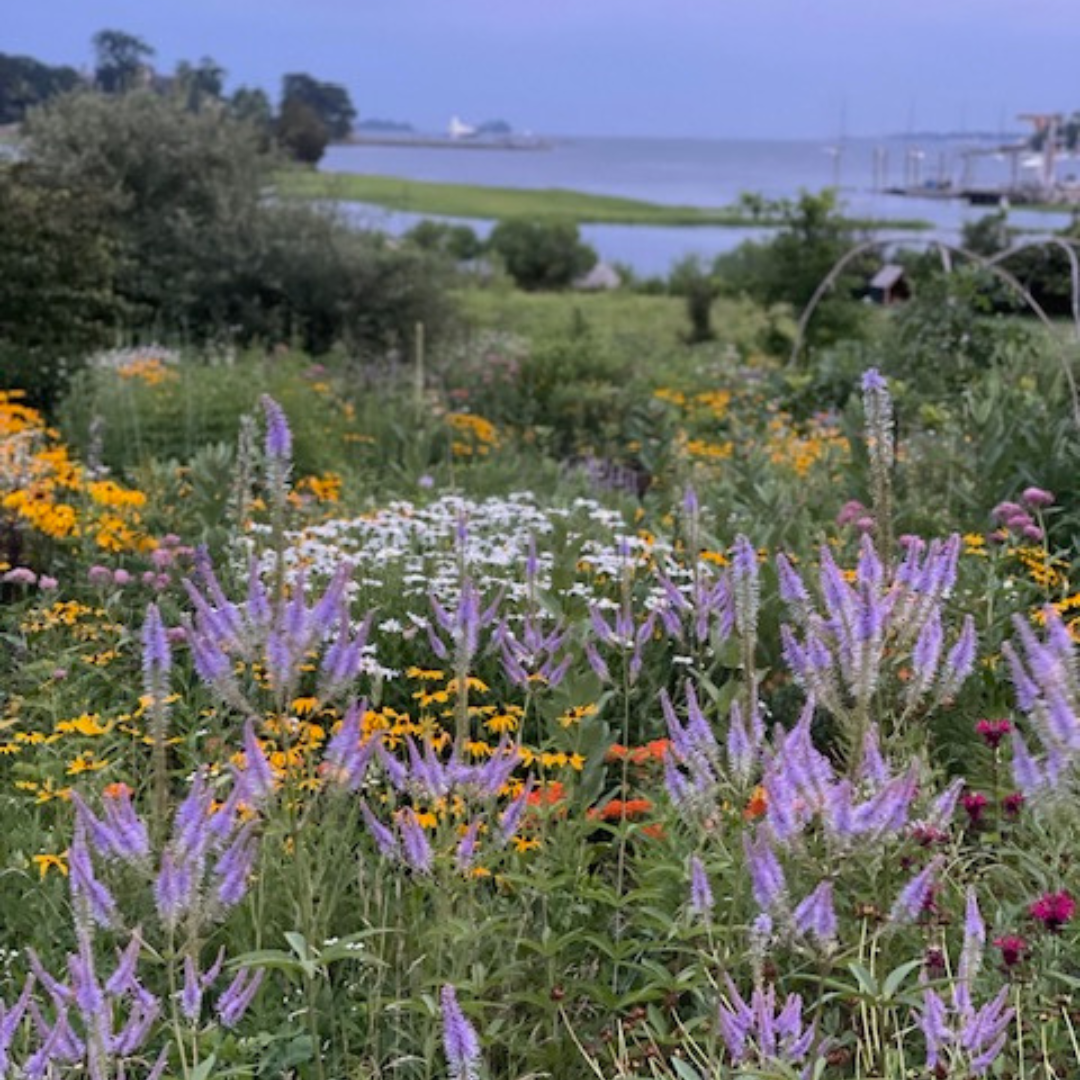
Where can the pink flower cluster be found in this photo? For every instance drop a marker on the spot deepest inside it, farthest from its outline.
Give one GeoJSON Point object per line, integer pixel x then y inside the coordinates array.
{"type": "Point", "coordinates": [1016, 518]}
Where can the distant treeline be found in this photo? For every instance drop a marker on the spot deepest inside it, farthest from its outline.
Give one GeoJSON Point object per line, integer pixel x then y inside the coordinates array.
{"type": "Point", "coordinates": [309, 113]}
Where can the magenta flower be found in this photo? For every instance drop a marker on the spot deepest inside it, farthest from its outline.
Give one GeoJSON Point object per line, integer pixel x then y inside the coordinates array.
{"type": "Point", "coordinates": [975, 804]}
{"type": "Point", "coordinates": [1013, 804]}
{"type": "Point", "coordinates": [1013, 948]}
{"type": "Point", "coordinates": [1053, 910]}
{"type": "Point", "coordinates": [993, 731]}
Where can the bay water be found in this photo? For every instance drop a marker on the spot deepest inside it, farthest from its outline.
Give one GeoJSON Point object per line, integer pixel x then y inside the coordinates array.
{"type": "Point", "coordinates": [711, 173]}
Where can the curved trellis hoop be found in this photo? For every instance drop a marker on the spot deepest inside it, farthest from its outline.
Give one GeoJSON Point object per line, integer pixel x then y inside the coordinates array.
{"type": "Point", "coordinates": [992, 265]}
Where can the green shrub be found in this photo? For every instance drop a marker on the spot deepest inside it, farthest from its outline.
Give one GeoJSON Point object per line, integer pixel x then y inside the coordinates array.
{"type": "Point", "coordinates": [57, 268]}
{"type": "Point", "coordinates": [203, 255]}
{"type": "Point", "coordinates": [541, 254]}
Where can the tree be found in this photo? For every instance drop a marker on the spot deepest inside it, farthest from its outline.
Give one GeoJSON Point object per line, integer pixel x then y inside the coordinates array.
{"type": "Point", "coordinates": [788, 268]}
{"type": "Point", "coordinates": [693, 281]}
{"type": "Point", "coordinates": [251, 105]}
{"type": "Point", "coordinates": [198, 84]}
{"type": "Point", "coordinates": [183, 190]}
{"type": "Point", "coordinates": [203, 254]}
{"type": "Point", "coordinates": [541, 254]}
{"type": "Point", "coordinates": [120, 60]}
{"type": "Point", "coordinates": [57, 269]}
{"type": "Point", "coordinates": [458, 242]}
{"type": "Point", "coordinates": [330, 102]}
{"type": "Point", "coordinates": [301, 133]}
{"type": "Point", "coordinates": [25, 82]}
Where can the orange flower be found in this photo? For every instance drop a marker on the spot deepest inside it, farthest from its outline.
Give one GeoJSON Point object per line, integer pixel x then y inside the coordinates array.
{"type": "Point", "coordinates": [617, 810]}
{"type": "Point", "coordinates": [117, 790]}
{"type": "Point", "coordinates": [652, 751]}
{"type": "Point", "coordinates": [548, 795]}
{"type": "Point", "coordinates": [639, 755]}
{"type": "Point", "coordinates": [758, 804]}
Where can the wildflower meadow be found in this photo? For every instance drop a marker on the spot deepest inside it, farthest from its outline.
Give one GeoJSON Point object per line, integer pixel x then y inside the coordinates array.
{"type": "Point", "coordinates": [303, 780]}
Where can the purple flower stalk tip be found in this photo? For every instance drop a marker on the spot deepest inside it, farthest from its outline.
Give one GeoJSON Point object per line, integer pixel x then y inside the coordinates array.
{"type": "Point", "coordinates": [701, 896]}
{"type": "Point", "coordinates": [460, 1040]}
{"type": "Point", "coordinates": [278, 435]}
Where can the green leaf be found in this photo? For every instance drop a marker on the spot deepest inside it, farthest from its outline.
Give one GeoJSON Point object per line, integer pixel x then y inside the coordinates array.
{"type": "Point", "coordinates": [897, 976]}
{"type": "Point", "coordinates": [867, 983]}
{"type": "Point", "coordinates": [684, 1070]}
{"type": "Point", "coordinates": [204, 1069]}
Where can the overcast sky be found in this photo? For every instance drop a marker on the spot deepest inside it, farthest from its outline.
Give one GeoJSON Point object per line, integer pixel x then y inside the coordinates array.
{"type": "Point", "coordinates": [768, 68]}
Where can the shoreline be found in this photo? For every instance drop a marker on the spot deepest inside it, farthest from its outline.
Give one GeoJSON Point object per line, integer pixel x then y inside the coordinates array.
{"type": "Point", "coordinates": [480, 202]}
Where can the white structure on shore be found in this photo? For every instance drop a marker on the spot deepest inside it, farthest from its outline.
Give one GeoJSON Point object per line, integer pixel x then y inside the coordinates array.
{"type": "Point", "coordinates": [459, 129]}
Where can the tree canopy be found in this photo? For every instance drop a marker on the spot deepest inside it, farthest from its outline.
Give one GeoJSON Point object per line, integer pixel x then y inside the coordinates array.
{"type": "Point", "coordinates": [26, 82]}
{"type": "Point", "coordinates": [121, 59]}
{"type": "Point", "coordinates": [330, 102]}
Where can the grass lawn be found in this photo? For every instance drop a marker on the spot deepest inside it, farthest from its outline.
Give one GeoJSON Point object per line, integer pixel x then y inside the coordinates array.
{"type": "Point", "coordinates": [477, 201]}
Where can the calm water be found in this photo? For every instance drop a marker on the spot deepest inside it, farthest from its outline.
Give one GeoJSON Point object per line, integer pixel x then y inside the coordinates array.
{"type": "Point", "coordinates": [701, 173]}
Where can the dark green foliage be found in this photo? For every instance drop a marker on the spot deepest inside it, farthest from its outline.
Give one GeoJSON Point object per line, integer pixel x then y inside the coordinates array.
{"type": "Point", "coordinates": [121, 61]}
{"type": "Point", "coordinates": [25, 82]}
{"type": "Point", "coordinates": [948, 334]}
{"type": "Point", "coordinates": [788, 268]}
{"type": "Point", "coordinates": [183, 191]}
{"type": "Point", "coordinates": [251, 105]}
{"type": "Point", "coordinates": [198, 85]}
{"type": "Point", "coordinates": [300, 132]}
{"type": "Point", "coordinates": [57, 266]}
{"type": "Point", "coordinates": [541, 254]}
{"type": "Point", "coordinates": [202, 254]}
{"type": "Point", "coordinates": [328, 101]}
{"type": "Point", "coordinates": [458, 242]}
{"type": "Point", "coordinates": [314, 281]}
{"type": "Point", "coordinates": [691, 280]}
{"type": "Point", "coordinates": [989, 235]}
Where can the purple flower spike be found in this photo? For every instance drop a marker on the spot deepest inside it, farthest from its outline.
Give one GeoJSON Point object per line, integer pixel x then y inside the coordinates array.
{"type": "Point", "coordinates": [94, 903]}
{"type": "Point", "coordinates": [766, 875]}
{"type": "Point", "coordinates": [236, 999]}
{"type": "Point", "coordinates": [466, 849]}
{"type": "Point", "coordinates": [414, 842]}
{"type": "Point", "coordinates": [258, 777]}
{"type": "Point", "coordinates": [873, 381]}
{"type": "Point", "coordinates": [701, 896]}
{"type": "Point", "coordinates": [173, 889]}
{"type": "Point", "coordinates": [191, 995]}
{"type": "Point", "coordinates": [459, 1038]}
{"type": "Point", "coordinates": [278, 435]}
{"type": "Point", "coordinates": [384, 838]}
{"type": "Point", "coordinates": [816, 915]}
{"type": "Point", "coordinates": [157, 656]}
{"type": "Point", "coordinates": [916, 894]}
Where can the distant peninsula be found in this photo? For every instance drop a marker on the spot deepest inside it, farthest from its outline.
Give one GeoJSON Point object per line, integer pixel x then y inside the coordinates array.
{"type": "Point", "coordinates": [385, 127]}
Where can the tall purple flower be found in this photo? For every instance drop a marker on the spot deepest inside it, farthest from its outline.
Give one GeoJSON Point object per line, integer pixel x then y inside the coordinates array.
{"type": "Point", "coordinates": [766, 874]}
{"type": "Point", "coordinates": [745, 586]}
{"type": "Point", "coordinates": [414, 842]}
{"type": "Point", "coordinates": [459, 1038]}
{"type": "Point", "coordinates": [239, 994]}
{"type": "Point", "coordinates": [157, 656]}
{"type": "Point", "coordinates": [701, 896]}
{"type": "Point", "coordinates": [917, 894]}
{"type": "Point", "coordinates": [258, 777]}
{"type": "Point", "coordinates": [93, 901]}
{"type": "Point", "coordinates": [384, 838]}
{"type": "Point", "coordinates": [278, 435]}
{"type": "Point", "coordinates": [816, 916]}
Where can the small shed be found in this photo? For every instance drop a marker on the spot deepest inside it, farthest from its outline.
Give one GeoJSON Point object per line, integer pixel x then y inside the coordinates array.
{"type": "Point", "coordinates": [603, 276]}
{"type": "Point", "coordinates": [890, 285]}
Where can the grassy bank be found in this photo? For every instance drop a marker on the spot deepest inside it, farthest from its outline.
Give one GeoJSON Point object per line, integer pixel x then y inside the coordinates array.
{"type": "Point", "coordinates": [477, 201]}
